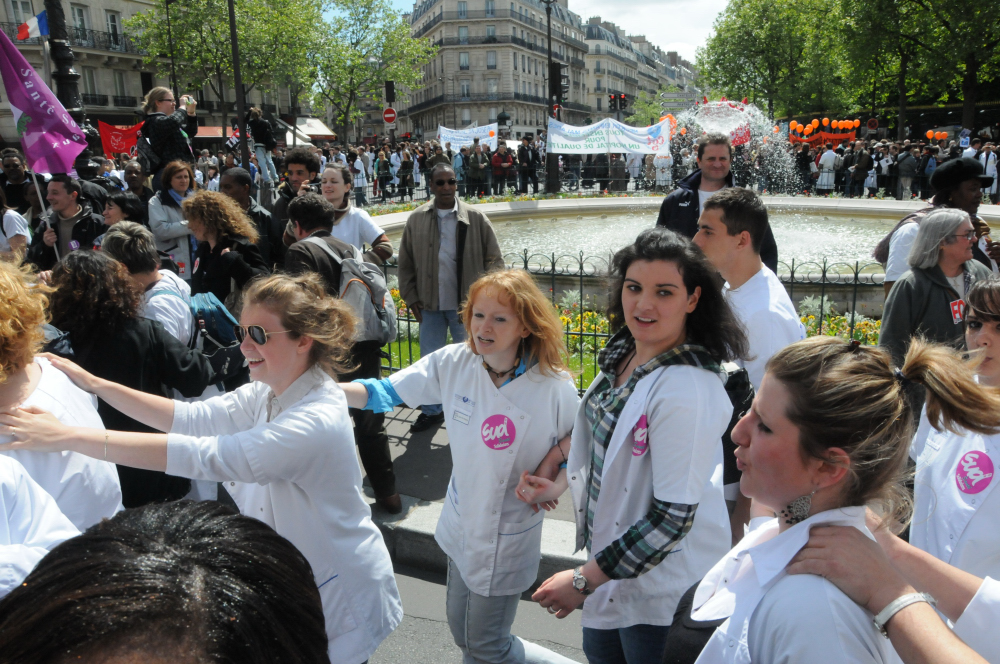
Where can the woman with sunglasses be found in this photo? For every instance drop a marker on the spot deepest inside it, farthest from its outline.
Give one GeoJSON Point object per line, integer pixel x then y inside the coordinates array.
{"type": "Point", "coordinates": [282, 447]}
{"type": "Point", "coordinates": [929, 299]}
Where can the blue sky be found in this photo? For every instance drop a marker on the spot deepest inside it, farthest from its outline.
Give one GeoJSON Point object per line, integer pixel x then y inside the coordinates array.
{"type": "Point", "coordinates": [674, 25]}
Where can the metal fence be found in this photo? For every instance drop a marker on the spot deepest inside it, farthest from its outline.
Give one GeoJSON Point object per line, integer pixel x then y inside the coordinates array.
{"type": "Point", "coordinates": [577, 284]}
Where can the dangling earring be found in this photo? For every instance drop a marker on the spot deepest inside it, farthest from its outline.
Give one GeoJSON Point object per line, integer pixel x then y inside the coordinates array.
{"type": "Point", "coordinates": [798, 509]}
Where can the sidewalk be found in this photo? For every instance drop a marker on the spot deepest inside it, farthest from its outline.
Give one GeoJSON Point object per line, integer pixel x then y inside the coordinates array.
{"type": "Point", "coordinates": [422, 463]}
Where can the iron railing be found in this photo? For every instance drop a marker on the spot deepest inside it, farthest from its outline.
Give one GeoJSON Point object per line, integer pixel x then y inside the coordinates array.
{"type": "Point", "coordinates": [79, 37]}
{"type": "Point", "coordinates": [125, 100]}
{"type": "Point", "coordinates": [576, 284]}
{"type": "Point", "coordinates": [94, 100]}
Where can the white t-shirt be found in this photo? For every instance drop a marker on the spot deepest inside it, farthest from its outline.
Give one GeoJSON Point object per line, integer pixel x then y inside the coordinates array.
{"type": "Point", "coordinates": [704, 196]}
{"type": "Point", "coordinates": [764, 308]}
{"type": "Point", "coordinates": [958, 284]}
{"type": "Point", "coordinates": [86, 490]}
{"type": "Point", "coordinates": [448, 259]}
{"type": "Point", "coordinates": [356, 228]}
{"type": "Point", "coordinates": [168, 302]}
{"type": "Point", "coordinates": [969, 152]}
{"type": "Point", "coordinates": [899, 250]}
{"type": "Point", "coordinates": [13, 224]}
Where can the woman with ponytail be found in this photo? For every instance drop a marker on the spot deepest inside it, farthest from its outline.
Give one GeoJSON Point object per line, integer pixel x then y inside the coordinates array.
{"type": "Point", "coordinates": [282, 446]}
{"type": "Point", "coordinates": [828, 434]}
{"type": "Point", "coordinates": [352, 224]}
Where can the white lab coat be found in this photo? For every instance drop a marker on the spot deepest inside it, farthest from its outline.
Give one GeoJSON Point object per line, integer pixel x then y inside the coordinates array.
{"type": "Point", "coordinates": [956, 503]}
{"type": "Point", "coordinates": [395, 160]}
{"type": "Point", "coordinates": [989, 162]}
{"type": "Point", "coordinates": [664, 164]}
{"type": "Point", "coordinates": [977, 625]}
{"type": "Point", "coordinates": [781, 619]}
{"type": "Point", "coordinates": [86, 490]}
{"type": "Point", "coordinates": [290, 462]}
{"type": "Point", "coordinates": [633, 162]}
{"type": "Point", "coordinates": [826, 173]}
{"type": "Point", "coordinates": [31, 527]}
{"type": "Point", "coordinates": [494, 434]}
{"type": "Point", "coordinates": [676, 457]}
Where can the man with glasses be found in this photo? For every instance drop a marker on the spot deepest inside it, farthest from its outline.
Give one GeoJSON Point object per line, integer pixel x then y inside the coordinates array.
{"type": "Point", "coordinates": [446, 245]}
{"type": "Point", "coordinates": [311, 216]}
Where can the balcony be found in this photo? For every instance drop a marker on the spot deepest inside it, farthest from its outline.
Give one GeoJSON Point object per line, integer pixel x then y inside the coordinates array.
{"type": "Point", "coordinates": [491, 66]}
{"type": "Point", "coordinates": [94, 100]}
{"type": "Point", "coordinates": [573, 106]}
{"type": "Point", "coordinates": [124, 100]}
{"type": "Point", "coordinates": [430, 25]}
{"type": "Point", "coordinates": [78, 37]}
{"type": "Point", "coordinates": [577, 62]}
{"type": "Point", "coordinates": [494, 15]}
{"type": "Point", "coordinates": [633, 81]}
{"type": "Point", "coordinates": [476, 97]}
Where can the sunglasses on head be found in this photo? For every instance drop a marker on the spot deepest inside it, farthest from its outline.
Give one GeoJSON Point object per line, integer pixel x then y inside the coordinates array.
{"type": "Point", "coordinates": [442, 183]}
{"type": "Point", "coordinates": [256, 333]}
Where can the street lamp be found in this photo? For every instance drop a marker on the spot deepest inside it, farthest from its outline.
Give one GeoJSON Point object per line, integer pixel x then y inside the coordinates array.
{"type": "Point", "coordinates": [170, 45]}
{"type": "Point", "coordinates": [551, 159]}
{"type": "Point", "coordinates": [241, 120]}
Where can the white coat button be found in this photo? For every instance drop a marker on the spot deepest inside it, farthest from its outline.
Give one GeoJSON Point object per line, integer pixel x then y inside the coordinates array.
{"type": "Point", "coordinates": [494, 511]}
{"type": "Point", "coordinates": [491, 541]}
{"type": "Point", "coordinates": [580, 510]}
{"type": "Point", "coordinates": [522, 417]}
{"type": "Point", "coordinates": [626, 489]}
{"type": "Point", "coordinates": [232, 484]}
{"type": "Point", "coordinates": [573, 478]}
{"type": "Point", "coordinates": [951, 537]}
{"type": "Point", "coordinates": [502, 481]}
{"type": "Point", "coordinates": [508, 407]}
{"type": "Point", "coordinates": [512, 451]}
{"type": "Point", "coordinates": [973, 501]}
{"type": "Point", "coordinates": [732, 643]}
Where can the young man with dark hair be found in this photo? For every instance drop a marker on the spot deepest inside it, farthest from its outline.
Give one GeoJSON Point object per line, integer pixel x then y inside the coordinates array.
{"type": "Point", "coordinates": [681, 209]}
{"type": "Point", "coordinates": [302, 167]}
{"type": "Point", "coordinates": [237, 184]}
{"type": "Point", "coordinates": [731, 231]}
{"type": "Point", "coordinates": [312, 217]}
{"type": "Point", "coordinates": [70, 224]}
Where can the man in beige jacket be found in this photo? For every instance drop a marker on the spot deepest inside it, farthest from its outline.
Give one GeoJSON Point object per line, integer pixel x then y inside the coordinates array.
{"type": "Point", "coordinates": [446, 246]}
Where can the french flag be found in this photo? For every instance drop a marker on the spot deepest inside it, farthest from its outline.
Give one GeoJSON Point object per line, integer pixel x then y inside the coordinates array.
{"type": "Point", "coordinates": [35, 26]}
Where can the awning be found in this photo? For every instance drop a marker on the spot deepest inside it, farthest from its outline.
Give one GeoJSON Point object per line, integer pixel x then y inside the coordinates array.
{"type": "Point", "coordinates": [213, 132]}
{"type": "Point", "coordinates": [315, 129]}
{"type": "Point", "coordinates": [301, 138]}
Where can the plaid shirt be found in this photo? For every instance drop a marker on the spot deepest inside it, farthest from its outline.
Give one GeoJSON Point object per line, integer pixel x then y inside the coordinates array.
{"type": "Point", "coordinates": [648, 541]}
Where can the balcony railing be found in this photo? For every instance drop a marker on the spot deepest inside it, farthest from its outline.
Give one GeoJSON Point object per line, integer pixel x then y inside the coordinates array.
{"type": "Point", "coordinates": [124, 100]}
{"type": "Point", "coordinates": [94, 100]}
{"type": "Point", "coordinates": [477, 97]}
{"type": "Point", "coordinates": [633, 81]}
{"type": "Point", "coordinates": [497, 14]}
{"type": "Point", "coordinates": [78, 37]}
{"type": "Point", "coordinates": [578, 63]}
{"type": "Point", "coordinates": [573, 106]}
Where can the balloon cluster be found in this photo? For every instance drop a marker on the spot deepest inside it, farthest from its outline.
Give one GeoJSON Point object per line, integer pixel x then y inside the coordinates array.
{"type": "Point", "coordinates": [936, 135]}
{"type": "Point", "coordinates": [806, 129]}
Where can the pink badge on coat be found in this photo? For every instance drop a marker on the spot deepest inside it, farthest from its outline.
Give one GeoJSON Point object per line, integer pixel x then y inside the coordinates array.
{"type": "Point", "coordinates": [498, 432]}
{"type": "Point", "coordinates": [974, 472]}
{"type": "Point", "coordinates": [640, 434]}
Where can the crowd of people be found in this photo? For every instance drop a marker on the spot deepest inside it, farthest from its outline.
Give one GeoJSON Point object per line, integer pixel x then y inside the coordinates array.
{"type": "Point", "coordinates": [186, 372]}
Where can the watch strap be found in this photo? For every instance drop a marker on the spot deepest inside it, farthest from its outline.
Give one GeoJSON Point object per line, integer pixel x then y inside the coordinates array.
{"type": "Point", "coordinates": [897, 605]}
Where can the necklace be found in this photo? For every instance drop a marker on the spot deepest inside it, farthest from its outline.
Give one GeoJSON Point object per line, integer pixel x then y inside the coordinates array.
{"type": "Point", "coordinates": [501, 374]}
{"type": "Point", "coordinates": [625, 366]}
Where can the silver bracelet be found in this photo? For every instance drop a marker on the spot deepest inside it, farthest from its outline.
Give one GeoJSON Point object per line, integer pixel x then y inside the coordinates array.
{"type": "Point", "coordinates": [897, 605]}
{"type": "Point", "coordinates": [106, 434]}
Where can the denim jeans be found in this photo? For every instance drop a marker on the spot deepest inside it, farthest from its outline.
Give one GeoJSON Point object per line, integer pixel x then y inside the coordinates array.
{"type": "Point", "coordinates": [433, 335]}
{"type": "Point", "coordinates": [267, 169]}
{"type": "Point", "coordinates": [638, 644]}
{"type": "Point", "coordinates": [481, 627]}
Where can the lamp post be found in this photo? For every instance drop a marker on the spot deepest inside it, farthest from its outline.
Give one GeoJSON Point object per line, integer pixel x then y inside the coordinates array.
{"type": "Point", "coordinates": [551, 160]}
{"type": "Point", "coordinates": [241, 119]}
{"type": "Point", "coordinates": [67, 90]}
{"type": "Point", "coordinates": [170, 45]}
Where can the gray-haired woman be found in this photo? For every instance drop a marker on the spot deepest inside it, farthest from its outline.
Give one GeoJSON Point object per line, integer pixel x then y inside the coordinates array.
{"type": "Point", "coordinates": [929, 300]}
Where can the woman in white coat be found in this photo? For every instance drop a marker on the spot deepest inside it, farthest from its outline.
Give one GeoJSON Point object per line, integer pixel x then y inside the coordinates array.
{"type": "Point", "coordinates": [166, 217]}
{"type": "Point", "coordinates": [646, 465]}
{"type": "Point", "coordinates": [281, 445]}
{"type": "Point", "coordinates": [351, 224]}
{"type": "Point", "coordinates": [828, 434]}
{"type": "Point", "coordinates": [988, 158]}
{"type": "Point", "coordinates": [86, 490]}
{"type": "Point", "coordinates": [956, 502]}
{"type": "Point", "coordinates": [508, 399]}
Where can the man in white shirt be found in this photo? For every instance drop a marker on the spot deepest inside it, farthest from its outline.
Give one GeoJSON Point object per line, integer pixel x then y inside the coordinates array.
{"type": "Point", "coordinates": [972, 151]}
{"type": "Point", "coordinates": [730, 232]}
{"type": "Point", "coordinates": [825, 185]}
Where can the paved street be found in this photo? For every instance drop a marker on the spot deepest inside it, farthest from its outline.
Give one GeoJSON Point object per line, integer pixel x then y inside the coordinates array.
{"type": "Point", "coordinates": [424, 637]}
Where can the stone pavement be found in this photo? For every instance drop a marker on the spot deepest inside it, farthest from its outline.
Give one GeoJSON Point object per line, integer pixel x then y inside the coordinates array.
{"type": "Point", "coordinates": [422, 463]}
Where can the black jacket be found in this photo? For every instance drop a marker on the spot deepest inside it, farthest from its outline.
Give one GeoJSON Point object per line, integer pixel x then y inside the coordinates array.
{"type": "Point", "coordinates": [270, 229]}
{"type": "Point", "coordinates": [14, 193]}
{"type": "Point", "coordinates": [680, 213]}
{"type": "Point", "coordinates": [260, 130]}
{"type": "Point", "coordinates": [170, 135]}
{"type": "Point", "coordinates": [143, 356]}
{"type": "Point", "coordinates": [85, 231]}
{"type": "Point", "coordinates": [215, 271]}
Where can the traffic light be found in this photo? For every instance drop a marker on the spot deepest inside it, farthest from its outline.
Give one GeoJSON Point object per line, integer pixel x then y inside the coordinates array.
{"type": "Point", "coordinates": [555, 110]}
{"type": "Point", "coordinates": [558, 82]}
{"type": "Point", "coordinates": [612, 102]}
{"type": "Point", "coordinates": [622, 102]}
{"type": "Point", "coordinates": [564, 83]}
{"type": "Point", "coordinates": [390, 92]}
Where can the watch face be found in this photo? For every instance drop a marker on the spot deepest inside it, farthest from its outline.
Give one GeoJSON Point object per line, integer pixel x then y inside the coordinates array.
{"type": "Point", "coordinates": [579, 581]}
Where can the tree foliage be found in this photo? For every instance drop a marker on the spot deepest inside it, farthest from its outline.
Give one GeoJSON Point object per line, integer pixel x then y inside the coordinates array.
{"type": "Point", "coordinates": [365, 43]}
{"type": "Point", "coordinates": [648, 107]}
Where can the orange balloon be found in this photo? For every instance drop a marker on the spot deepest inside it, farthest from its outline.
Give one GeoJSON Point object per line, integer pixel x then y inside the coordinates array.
{"type": "Point", "coordinates": [776, 129]}
{"type": "Point", "coordinates": [492, 133]}
{"type": "Point", "coordinates": [930, 133]}
{"type": "Point", "coordinates": [826, 122]}
{"type": "Point", "coordinates": [857, 123]}
{"type": "Point", "coordinates": [793, 124]}
{"type": "Point", "coordinates": [836, 124]}
{"type": "Point", "coordinates": [809, 129]}
{"type": "Point", "coordinates": [683, 130]}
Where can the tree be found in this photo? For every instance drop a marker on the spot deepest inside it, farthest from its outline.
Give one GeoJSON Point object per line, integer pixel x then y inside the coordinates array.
{"type": "Point", "coordinates": [648, 107]}
{"type": "Point", "coordinates": [366, 43]}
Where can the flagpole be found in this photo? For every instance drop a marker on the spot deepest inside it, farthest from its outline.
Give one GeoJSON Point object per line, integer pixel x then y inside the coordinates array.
{"type": "Point", "coordinates": [48, 62]}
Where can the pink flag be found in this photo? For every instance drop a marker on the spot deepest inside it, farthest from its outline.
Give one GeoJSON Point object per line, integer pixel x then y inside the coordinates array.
{"type": "Point", "coordinates": [50, 137]}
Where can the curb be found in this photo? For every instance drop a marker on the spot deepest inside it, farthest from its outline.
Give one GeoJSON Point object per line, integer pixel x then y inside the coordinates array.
{"type": "Point", "coordinates": [409, 536]}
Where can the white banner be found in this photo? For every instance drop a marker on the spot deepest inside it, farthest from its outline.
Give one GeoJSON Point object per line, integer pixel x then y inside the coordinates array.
{"type": "Point", "coordinates": [608, 135]}
{"type": "Point", "coordinates": [487, 135]}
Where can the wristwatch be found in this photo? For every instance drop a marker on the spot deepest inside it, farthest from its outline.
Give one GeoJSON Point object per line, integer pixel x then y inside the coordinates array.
{"type": "Point", "coordinates": [580, 582]}
{"type": "Point", "coordinates": [894, 607]}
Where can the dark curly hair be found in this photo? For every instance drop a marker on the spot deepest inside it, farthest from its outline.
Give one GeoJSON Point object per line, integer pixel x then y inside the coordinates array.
{"type": "Point", "coordinates": [712, 324]}
{"type": "Point", "coordinates": [94, 295]}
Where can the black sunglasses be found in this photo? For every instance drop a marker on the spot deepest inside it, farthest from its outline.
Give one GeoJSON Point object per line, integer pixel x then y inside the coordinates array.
{"type": "Point", "coordinates": [256, 333]}
{"type": "Point", "coordinates": [442, 183]}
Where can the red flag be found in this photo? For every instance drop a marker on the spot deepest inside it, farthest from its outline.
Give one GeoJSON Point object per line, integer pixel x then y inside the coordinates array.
{"type": "Point", "coordinates": [117, 141]}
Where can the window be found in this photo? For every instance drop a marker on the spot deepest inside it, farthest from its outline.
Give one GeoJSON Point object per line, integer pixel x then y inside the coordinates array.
{"type": "Point", "coordinates": [466, 116]}
{"type": "Point", "coordinates": [466, 88]}
{"type": "Point", "coordinates": [90, 80]}
{"type": "Point", "coordinates": [463, 35]}
{"type": "Point", "coordinates": [597, 85]}
{"type": "Point", "coordinates": [463, 9]}
{"type": "Point", "coordinates": [21, 10]}
{"type": "Point", "coordinates": [491, 59]}
{"type": "Point", "coordinates": [463, 60]}
{"type": "Point", "coordinates": [536, 89]}
{"type": "Point", "coordinates": [120, 89]}
{"type": "Point", "coordinates": [523, 67]}
{"type": "Point", "coordinates": [113, 19]}
{"type": "Point", "coordinates": [598, 103]}
{"type": "Point", "coordinates": [493, 113]}
{"type": "Point", "coordinates": [491, 8]}
{"type": "Point", "coordinates": [524, 87]}
{"type": "Point", "coordinates": [80, 16]}
{"type": "Point", "coordinates": [491, 32]}
{"type": "Point", "coordinates": [492, 86]}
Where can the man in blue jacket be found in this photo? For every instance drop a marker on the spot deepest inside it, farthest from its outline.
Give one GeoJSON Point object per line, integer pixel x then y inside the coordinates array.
{"type": "Point", "coordinates": [681, 209]}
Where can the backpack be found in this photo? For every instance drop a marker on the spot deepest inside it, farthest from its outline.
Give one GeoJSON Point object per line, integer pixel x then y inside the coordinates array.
{"type": "Point", "coordinates": [147, 157]}
{"type": "Point", "coordinates": [362, 285]}
{"type": "Point", "coordinates": [213, 325]}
